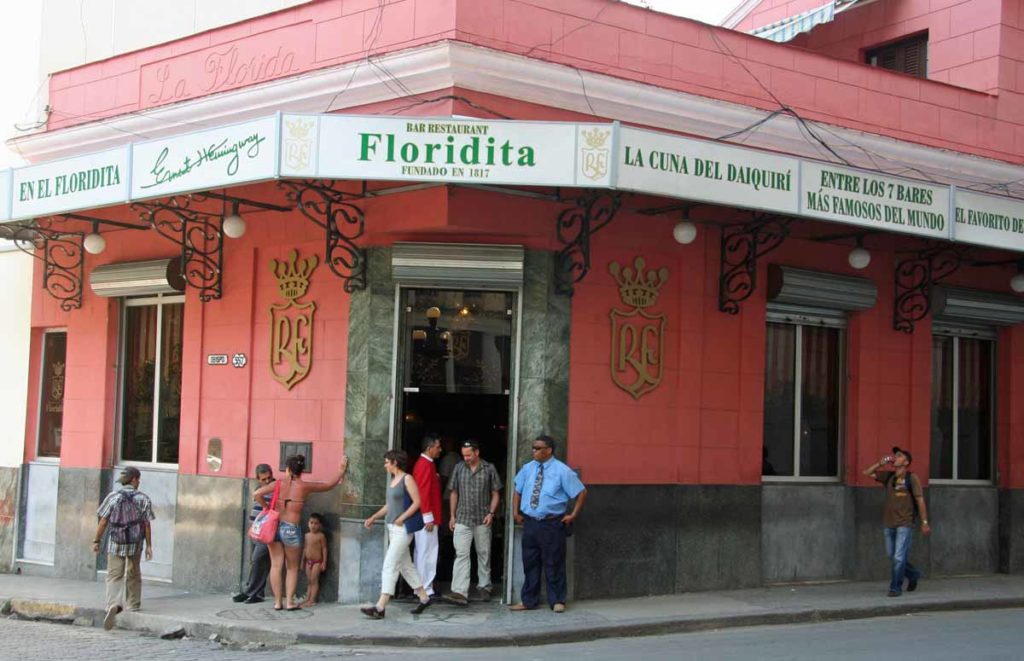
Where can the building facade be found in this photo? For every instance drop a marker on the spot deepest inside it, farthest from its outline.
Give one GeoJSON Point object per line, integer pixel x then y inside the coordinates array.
{"type": "Point", "coordinates": [725, 273]}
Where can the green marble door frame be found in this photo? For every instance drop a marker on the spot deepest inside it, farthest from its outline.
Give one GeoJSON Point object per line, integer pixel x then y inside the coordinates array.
{"type": "Point", "coordinates": [540, 373]}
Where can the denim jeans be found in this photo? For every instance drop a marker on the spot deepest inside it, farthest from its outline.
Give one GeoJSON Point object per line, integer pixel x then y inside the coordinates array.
{"type": "Point", "coordinates": [897, 548]}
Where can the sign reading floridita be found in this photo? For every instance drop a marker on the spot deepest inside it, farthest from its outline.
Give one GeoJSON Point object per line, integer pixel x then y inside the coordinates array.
{"type": "Point", "coordinates": [455, 150]}
{"type": "Point", "coordinates": [507, 152]}
{"type": "Point", "coordinates": [224, 156]}
{"type": "Point", "coordinates": [652, 162]}
{"type": "Point", "coordinates": [874, 200]}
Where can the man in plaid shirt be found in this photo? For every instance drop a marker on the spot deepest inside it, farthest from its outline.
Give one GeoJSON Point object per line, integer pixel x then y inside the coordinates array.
{"type": "Point", "coordinates": [124, 576]}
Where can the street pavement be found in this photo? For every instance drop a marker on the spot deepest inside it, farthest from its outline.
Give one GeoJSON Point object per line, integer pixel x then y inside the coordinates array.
{"type": "Point", "coordinates": [986, 635]}
{"type": "Point", "coordinates": [491, 624]}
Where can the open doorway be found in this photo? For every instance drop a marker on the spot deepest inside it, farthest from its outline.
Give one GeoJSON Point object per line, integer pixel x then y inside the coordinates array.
{"type": "Point", "coordinates": [455, 379]}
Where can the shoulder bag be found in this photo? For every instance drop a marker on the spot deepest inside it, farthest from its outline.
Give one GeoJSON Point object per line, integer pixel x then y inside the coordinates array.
{"type": "Point", "coordinates": [264, 527]}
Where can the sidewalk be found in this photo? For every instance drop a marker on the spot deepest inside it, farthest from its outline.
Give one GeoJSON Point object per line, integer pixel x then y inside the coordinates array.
{"type": "Point", "coordinates": [484, 625]}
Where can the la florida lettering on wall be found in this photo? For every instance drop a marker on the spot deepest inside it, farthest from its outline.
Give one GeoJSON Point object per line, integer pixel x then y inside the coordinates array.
{"type": "Point", "coordinates": [873, 200]}
{"type": "Point", "coordinates": [208, 159]}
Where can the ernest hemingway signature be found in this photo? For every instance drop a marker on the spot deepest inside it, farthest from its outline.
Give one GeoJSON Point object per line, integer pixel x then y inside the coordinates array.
{"type": "Point", "coordinates": [249, 146]}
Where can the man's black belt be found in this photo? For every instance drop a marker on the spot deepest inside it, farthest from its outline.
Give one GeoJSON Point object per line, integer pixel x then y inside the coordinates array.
{"type": "Point", "coordinates": [543, 518]}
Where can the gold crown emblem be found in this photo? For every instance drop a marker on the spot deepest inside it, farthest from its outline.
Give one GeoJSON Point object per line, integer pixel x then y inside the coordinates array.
{"type": "Point", "coordinates": [58, 369]}
{"type": "Point", "coordinates": [596, 138]}
{"type": "Point", "coordinates": [293, 276]}
{"type": "Point", "coordinates": [636, 288]}
{"type": "Point", "coordinates": [299, 128]}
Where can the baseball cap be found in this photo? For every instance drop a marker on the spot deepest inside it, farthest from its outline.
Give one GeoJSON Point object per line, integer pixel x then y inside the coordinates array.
{"type": "Point", "coordinates": [905, 453]}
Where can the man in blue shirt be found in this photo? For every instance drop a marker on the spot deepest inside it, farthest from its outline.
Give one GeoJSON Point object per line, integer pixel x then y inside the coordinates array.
{"type": "Point", "coordinates": [540, 503]}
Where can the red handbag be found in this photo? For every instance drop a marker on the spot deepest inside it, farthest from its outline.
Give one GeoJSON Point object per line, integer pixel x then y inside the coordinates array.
{"type": "Point", "coordinates": [264, 527]}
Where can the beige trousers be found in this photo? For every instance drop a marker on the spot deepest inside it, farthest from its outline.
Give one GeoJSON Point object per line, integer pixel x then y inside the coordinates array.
{"type": "Point", "coordinates": [464, 538]}
{"type": "Point", "coordinates": [124, 581]}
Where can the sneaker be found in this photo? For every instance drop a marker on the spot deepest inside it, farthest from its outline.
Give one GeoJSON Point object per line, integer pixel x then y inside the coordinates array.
{"type": "Point", "coordinates": [485, 593]}
{"type": "Point", "coordinates": [894, 593]}
{"type": "Point", "coordinates": [110, 617]}
{"type": "Point", "coordinates": [255, 599]}
{"type": "Point", "coordinates": [239, 598]}
{"type": "Point", "coordinates": [558, 608]}
{"type": "Point", "coordinates": [911, 584]}
{"type": "Point", "coordinates": [456, 598]}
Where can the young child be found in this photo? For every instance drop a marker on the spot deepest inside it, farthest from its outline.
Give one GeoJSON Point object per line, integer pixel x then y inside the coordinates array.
{"type": "Point", "coordinates": [314, 557]}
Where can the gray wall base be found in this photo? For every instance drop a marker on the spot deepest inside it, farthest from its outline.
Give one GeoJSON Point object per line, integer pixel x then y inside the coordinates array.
{"type": "Point", "coordinates": [966, 535]}
{"type": "Point", "coordinates": [1011, 531]}
{"type": "Point", "coordinates": [661, 539]}
{"type": "Point", "coordinates": [805, 532]}
{"type": "Point", "coordinates": [79, 493]}
{"type": "Point", "coordinates": [208, 533]}
{"type": "Point", "coordinates": [362, 555]}
{"type": "Point", "coordinates": [9, 486]}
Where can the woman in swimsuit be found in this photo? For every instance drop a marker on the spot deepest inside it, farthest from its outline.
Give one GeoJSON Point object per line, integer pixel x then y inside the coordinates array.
{"type": "Point", "coordinates": [286, 549]}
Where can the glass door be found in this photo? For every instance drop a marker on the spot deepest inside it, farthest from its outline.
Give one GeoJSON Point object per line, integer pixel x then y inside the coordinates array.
{"type": "Point", "coordinates": [455, 372]}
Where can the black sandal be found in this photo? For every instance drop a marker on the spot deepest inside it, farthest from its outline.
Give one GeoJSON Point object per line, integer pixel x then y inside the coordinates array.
{"type": "Point", "coordinates": [372, 612]}
{"type": "Point", "coordinates": [422, 606]}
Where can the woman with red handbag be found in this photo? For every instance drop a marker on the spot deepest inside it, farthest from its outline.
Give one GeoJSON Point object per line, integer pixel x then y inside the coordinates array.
{"type": "Point", "coordinates": [286, 545]}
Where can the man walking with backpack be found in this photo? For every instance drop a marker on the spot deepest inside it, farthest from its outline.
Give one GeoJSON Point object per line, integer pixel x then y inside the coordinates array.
{"type": "Point", "coordinates": [904, 500]}
{"type": "Point", "coordinates": [125, 513]}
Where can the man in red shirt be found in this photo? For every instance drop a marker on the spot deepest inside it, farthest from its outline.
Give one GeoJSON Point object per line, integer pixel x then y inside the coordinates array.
{"type": "Point", "coordinates": [425, 474]}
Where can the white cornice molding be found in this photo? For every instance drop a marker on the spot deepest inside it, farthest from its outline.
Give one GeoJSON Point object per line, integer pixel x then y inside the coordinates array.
{"type": "Point", "coordinates": [740, 12]}
{"type": "Point", "coordinates": [450, 64]}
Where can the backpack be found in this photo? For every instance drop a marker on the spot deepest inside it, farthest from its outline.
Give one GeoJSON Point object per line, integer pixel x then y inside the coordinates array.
{"type": "Point", "coordinates": [126, 519]}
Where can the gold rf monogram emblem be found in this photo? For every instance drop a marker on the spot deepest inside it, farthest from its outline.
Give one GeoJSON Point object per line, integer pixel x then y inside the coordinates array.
{"type": "Point", "coordinates": [291, 322]}
{"type": "Point", "coordinates": [638, 337]}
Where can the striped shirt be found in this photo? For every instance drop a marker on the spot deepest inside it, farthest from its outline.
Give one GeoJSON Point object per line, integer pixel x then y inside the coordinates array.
{"type": "Point", "coordinates": [257, 508]}
{"type": "Point", "coordinates": [107, 506]}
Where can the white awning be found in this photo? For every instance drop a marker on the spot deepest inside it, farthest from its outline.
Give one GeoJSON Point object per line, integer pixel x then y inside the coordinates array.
{"type": "Point", "coordinates": [788, 28]}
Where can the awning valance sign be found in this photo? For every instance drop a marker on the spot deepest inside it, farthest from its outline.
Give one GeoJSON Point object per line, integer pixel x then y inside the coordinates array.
{"type": "Point", "coordinates": [508, 152]}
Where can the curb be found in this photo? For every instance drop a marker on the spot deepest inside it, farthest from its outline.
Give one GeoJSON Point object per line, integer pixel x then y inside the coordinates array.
{"type": "Point", "coordinates": [154, 624]}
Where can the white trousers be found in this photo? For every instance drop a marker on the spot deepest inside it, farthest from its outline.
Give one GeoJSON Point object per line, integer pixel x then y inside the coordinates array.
{"type": "Point", "coordinates": [464, 537]}
{"type": "Point", "coordinates": [425, 557]}
{"type": "Point", "coordinates": [397, 561]}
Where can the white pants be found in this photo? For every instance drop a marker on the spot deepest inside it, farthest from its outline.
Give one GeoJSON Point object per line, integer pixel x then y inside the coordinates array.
{"type": "Point", "coordinates": [463, 538]}
{"type": "Point", "coordinates": [426, 557]}
{"type": "Point", "coordinates": [397, 561]}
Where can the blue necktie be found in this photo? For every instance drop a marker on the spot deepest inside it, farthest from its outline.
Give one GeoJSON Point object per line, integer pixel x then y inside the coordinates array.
{"type": "Point", "coordinates": [537, 483]}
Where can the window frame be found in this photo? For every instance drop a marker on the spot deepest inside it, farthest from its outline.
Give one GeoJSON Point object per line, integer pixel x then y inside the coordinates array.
{"type": "Point", "coordinates": [919, 39]}
{"type": "Point", "coordinates": [956, 334]}
{"type": "Point", "coordinates": [800, 321]}
{"type": "Point", "coordinates": [41, 394]}
{"type": "Point", "coordinates": [159, 300]}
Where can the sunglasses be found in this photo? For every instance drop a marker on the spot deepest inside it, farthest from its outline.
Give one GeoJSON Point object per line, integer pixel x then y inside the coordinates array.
{"type": "Point", "coordinates": [468, 444]}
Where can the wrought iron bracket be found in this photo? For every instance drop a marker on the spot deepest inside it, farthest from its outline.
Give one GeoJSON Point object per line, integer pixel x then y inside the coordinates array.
{"type": "Point", "coordinates": [742, 246]}
{"type": "Point", "coordinates": [62, 255]}
{"type": "Point", "coordinates": [590, 212]}
{"type": "Point", "coordinates": [199, 237]}
{"type": "Point", "coordinates": [915, 278]}
{"type": "Point", "coordinates": [343, 223]}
